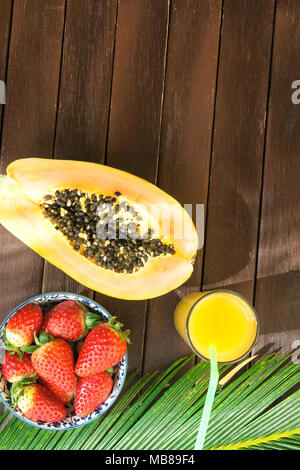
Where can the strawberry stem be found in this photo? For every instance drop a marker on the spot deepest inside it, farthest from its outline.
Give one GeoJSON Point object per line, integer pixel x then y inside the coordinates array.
{"type": "Point", "coordinates": [43, 338]}
{"type": "Point", "coordinates": [29, 349]}
{"type": "Point", "coordinates": [13, 349]}
{"type": "Point", "coordinates": [92, 319]}
{"type": "Point", "coordinates": [15, 392]}
{"type": "Point", "coordinates": [17, 388]}
{"type": "Point", "coordinates": [113, 323]}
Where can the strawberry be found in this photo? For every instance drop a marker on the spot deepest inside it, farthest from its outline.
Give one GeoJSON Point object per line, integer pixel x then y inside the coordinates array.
{"type": "Point", "coordinates": [54, 362]}
{"type": "Point", "coordinates": [64, 397]}
{"type": "Point", "coordinates": [21, 327]}
{"type": "Point", "coordinates": [14, 368]}
{"type": "Point", "coordinates": [103, 348]}
{"type": "Point", "coordinates": [38, 402]}
{"type": "Point", "coordinates": [91, 392]}
{"type": "Point", "coordinates": [69, 320]}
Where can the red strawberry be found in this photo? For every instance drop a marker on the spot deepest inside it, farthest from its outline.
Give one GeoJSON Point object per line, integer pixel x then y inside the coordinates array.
{"type": "Point", "coordinates": [103, 348]}
{"type": "Point", "coordinates": [69, 320]}
{"type": "Point", "coordinates": [21, 327]}
{"type": "Point", "coordinates": [38, 403]}
{"type": "Point", "coordinates": [54, 362]}
{"type": "Point", "coordinates": [64, 397]}
{"type": "Point", "coordinates": [14, 368]}
{"type": "Point", "coordinates": [91, 392]}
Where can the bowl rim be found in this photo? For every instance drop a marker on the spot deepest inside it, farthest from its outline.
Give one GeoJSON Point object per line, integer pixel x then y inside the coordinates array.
{"type": "Point", "coordinates": [121, 380]}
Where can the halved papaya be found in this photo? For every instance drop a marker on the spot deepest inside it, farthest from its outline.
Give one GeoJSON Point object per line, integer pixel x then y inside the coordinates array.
{"type": "Point", "coordinates": [111, 231]}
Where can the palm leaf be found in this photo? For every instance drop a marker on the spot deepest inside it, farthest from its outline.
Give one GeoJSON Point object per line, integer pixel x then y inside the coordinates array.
{"type": "Point", "coordinates": [156, 412]}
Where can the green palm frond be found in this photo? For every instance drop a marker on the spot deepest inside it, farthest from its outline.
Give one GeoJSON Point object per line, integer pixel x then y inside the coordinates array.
{"type": "Point", "coordinates": [256, 410]}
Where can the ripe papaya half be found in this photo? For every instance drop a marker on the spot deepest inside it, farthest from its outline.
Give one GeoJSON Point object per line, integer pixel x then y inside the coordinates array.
{"type": "Point", "coordinates": [109, 230]}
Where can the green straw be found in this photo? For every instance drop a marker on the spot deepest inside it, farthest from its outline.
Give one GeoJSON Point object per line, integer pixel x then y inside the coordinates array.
{"type": "Point", "coordinates": [212, 387]}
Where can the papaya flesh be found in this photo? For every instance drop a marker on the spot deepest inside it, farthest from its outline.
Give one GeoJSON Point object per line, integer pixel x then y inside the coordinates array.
{"type": "Point", "coordinates": [56, 208]}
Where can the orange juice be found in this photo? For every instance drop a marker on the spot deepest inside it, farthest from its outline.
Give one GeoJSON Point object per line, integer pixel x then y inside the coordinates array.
{"type": "Point", "coordinates": [218, 318]}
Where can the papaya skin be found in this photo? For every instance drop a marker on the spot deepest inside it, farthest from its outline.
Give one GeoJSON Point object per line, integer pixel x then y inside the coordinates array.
{"type": "Point", "coordinates": [28, 180]}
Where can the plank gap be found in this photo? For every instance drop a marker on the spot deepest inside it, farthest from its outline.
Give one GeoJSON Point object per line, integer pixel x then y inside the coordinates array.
{"type": "Point", "coordinates": [264, 156]}
{"type": "Point", "coordinates": [147, 307]}
{"type": "Point", "coordinates": [212, 144]}
{"type": "Point", "coordinates": [110, 91]}
{"type": "Point", "coordinates": [59, 77]}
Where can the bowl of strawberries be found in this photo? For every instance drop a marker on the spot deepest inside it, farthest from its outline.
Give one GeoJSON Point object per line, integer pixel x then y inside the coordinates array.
{"type": "Point", "coordinates": [63, 360]}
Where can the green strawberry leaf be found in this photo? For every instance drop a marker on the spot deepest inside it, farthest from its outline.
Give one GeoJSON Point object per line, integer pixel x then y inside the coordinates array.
{"type": "Point", "coordinates": [15, 393]}
{"type": "Point", "coordinates": [92, 319]}
{"type": "Point", "coordinates": [43, 338]}
{"type": "Point", "coordinates": [29, 349]}
{"type": "Point", "coordinates": [13, 349]}
{"type": "Point", "coordinates": [113, 323]}
{"type": "Point", "coordinates": [17, 388]}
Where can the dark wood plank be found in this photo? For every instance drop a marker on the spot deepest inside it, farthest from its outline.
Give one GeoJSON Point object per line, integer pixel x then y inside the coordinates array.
{"type": "Point", "coordinates": [135, 120]}
{"type": "Point", "coordinates": [185, 147]}
{"type": "Point", "coordinates": [234, 195]}
{"type": "Point", "coordinates": [278, 279]}
{"type": "Point", "coordinates": [138, 86]}
{"type": "Point", "coordinates": [84, 99]}
{"type": "Point", "coordinates": [29, 123]}
{"type": "Point", "coordinates": [5, 20]}
{"type": "Point", "coordinates": [6, 7]}
{"type": "Point", "coordinates": [32, 79]}
{"type": "Point", "coordinates": [86, 80]}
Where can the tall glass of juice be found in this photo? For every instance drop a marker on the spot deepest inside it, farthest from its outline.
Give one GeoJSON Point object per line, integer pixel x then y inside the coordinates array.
{"type": "Point", "coordinates": [220, 318]}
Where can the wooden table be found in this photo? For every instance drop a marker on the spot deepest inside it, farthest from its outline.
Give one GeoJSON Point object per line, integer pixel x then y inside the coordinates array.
{"type": "Point", "coordinates": [193, 95]}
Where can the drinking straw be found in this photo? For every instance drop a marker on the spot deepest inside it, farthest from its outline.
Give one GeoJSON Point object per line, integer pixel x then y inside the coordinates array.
{"type": "Point", "coordinates": [212, 387]}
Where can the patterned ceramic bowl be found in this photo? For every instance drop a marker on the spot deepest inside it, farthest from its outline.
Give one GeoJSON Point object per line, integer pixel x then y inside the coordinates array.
{"type": "Point", "coordinates": [71, 421]}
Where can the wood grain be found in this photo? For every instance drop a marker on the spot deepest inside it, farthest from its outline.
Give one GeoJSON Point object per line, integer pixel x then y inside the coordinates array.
{"type": "Point", "coordinates": [278, 279]}
{"type": "Point", "coordinates": [84, 99]}
{"type": "Point", "coordinates": [138, 86]}
{"type": "Point", "coordinates": [29, 123]}
{"type": "Point", "coordinates": [86, 80]}
{"type": "Point", "coordinates": [151, 77]}
{"type": "Point", "coordinates": [32, 80]}
{"type": "Point", "coordinates": [5, 20]}
{"type": "Point", "coordinates": [135, 118]}
{"type": "Point", "coordinates": [6, 7]}
{"type": "Point", "coordinates": [238, 144]}
{"type": "Point", "coordinates": [185, 147]}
